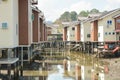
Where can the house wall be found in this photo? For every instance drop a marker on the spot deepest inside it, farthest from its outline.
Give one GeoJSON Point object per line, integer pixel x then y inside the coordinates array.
{"type": "Point", "coordinates": [41, 24]}
{"type": "Point", "coordinates": [71, 33]}
{"type": "Point", "coordinates": [25, 22]}
{"type": "Point", "coordinates": [9, 15]}
{"type": "Point", "coordinates": [109, 30]}
{"type": "Point", "coordinates": [77, 32]}
{"type": "Point", "coordinates": [36, 26]}
{"type": "Point", "coordinates": [117, 27]}
{"type": "Point", "coordinates": [30, 25]}
{"type": "Point", "coordinates": [82, 32]}
{"type": "Point", "coordinates": [64, 33]}
{"type": "Point", "coordinates": [94, 30]}
{"type": "Point", "coordinates": [117, 24]}
{"type": "Point", "coordinates": [45, 33]}
{"type": "Point", "coordinates": [85, 31]}
{"type": "Point", "coordinates": [42, 31]}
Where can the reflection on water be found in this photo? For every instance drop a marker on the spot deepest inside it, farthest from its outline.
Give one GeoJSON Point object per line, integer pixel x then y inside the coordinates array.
{"type": "Point", "coordinates": [90, 69]}
{"type": "Point", "coordinates": [59, 75]}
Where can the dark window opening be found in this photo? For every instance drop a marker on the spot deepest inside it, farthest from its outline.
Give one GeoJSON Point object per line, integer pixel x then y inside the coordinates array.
{"type": "Point", "coordinates": [88, 35]}
{"type": "Point", "coordinates": [73, 28]}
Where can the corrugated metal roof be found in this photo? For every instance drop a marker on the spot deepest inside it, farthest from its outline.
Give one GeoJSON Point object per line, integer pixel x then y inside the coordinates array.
{"type": "Point", "coordinates": [108, 13]}
{"type": "Point", "coordinates": [105, 14]}
{"type": "Point", "coordinates": [68, 24]}
{"type": "Point", "coordinates": [117, 15]}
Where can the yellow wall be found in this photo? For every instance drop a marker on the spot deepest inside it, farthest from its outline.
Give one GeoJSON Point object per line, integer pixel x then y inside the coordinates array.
{"type": "Point", "coordinates": [86, 29]}
{"type": "Point", "coordinates": [111, 28]}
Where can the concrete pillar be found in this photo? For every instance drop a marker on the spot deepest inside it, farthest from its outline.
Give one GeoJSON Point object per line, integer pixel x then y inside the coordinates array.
{"type": "Point", "coordinates": [77, 72]}
{"type": "Point", "coordinates": [77, 33]}
{"type": "Point", "coordinates": [65, 65]}
{"type": "Point", "coordinates": [65, 34]}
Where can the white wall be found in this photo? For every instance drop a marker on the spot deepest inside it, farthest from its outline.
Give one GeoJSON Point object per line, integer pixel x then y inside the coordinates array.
{"type": "Point", "coordinates": [85, 30]}
{"type": "Point", "coordinates": [82, 32]}
{"type": "Point", "coordinates": [100, 33]}
{"type": "Point", "coordinates": [70, 34]}
{"type": "Point", "coordinates": [30, 32]}
{"type": "Point", "coordinates": [9, 15]}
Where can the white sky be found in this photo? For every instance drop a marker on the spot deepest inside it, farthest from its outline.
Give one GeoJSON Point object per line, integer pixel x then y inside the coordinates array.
{"type": "Point", "coordinates": [52, 9]}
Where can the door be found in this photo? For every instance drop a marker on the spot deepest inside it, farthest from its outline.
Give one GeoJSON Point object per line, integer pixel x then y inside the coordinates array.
{"type": "Point", "coordinates": [100, 33]}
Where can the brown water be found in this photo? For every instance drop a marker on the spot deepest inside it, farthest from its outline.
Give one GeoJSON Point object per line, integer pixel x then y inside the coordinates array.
{"type": "Point", "coordinates": [52, 68]}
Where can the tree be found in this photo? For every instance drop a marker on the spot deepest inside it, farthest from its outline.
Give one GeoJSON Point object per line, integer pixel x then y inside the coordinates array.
{"type": "Point", "coordinates": [84, 13]}
{"type": "Point", "coordinates": [73, 15]}
{"type": "Point", "coordinates": [94, 11]}
{"type": "Point", "coordinates": [65, 16]}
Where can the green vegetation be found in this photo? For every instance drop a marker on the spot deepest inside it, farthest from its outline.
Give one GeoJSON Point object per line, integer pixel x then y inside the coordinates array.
{"type": "Point", "coordinates": [72, 16]}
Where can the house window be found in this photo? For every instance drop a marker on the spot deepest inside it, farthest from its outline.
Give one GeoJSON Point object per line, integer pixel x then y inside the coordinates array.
{"type": "Point", "coordinates": [98, 34]}
{"type": "Point", "coordinates": [113, 33]}
{"type": "Point", "coordinates": [88, 35]}
{"type": "Point", "coordinates": [105, 33]}
{"type": "Point", "coordinates": [73, 28]}
{"type": "Point", "coordinates": [4, 25]}
{"type": "Point", "coordinates": [109, 22]}
{"type": "Point", "coordinates": [117, 33]}
{"type": "Point", "coordinates": [118, 21]}
{"type": "Point", "coordinates": [109, 33]}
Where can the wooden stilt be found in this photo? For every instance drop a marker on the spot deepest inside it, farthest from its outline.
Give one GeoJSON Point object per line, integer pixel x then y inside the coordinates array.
{"type": "Point", "coordinates": [21, 70]}
{"type": "Point", "coordinates": [9, 72]}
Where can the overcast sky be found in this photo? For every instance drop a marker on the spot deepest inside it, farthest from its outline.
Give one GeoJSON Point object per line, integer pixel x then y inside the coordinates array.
{"type": "Point", "coordinates": [52, 9]}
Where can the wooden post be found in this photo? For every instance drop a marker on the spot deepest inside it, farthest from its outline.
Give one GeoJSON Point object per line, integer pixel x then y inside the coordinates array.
{"type": "Point", "coordinates": [28, 52]}
{"type": "Point", "coordinates": [9, 71]}
{"type": "Point", "coordinates": [21, 70]}
{"type": "Point", "coordinates": [0, 68]}
{"type": "Point", "coordinates": [15, 71]}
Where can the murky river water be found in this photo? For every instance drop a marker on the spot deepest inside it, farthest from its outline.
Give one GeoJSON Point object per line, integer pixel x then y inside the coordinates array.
{"type": "Point", "coordinates": [52, 68]}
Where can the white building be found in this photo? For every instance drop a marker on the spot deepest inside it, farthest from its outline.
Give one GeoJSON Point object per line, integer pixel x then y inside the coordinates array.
{"type": "Point", "coordinates": [8, 23]}
{"type": "Point", "coordinates": [70, 31]}
{"type": "Point", "coordinates": [85, 30]}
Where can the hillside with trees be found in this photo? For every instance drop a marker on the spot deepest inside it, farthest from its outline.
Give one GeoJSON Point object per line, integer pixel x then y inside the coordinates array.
{"type": "Point", "coordinates": [72, 16]}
